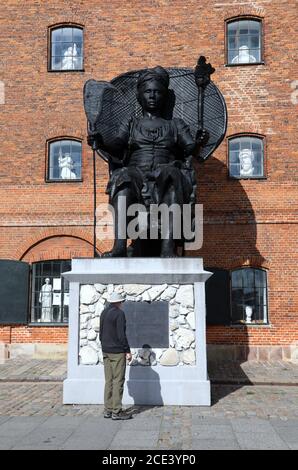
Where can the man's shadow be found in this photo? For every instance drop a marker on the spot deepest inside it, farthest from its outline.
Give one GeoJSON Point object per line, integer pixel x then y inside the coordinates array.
{"type": "Point", "coordinates": [143, 386]}
{"type": "Point", "coordinates": [230, 236]}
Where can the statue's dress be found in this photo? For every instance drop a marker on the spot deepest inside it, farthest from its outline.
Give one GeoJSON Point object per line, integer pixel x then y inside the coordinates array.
{"type": "Point", "coordinates": [154, 160]}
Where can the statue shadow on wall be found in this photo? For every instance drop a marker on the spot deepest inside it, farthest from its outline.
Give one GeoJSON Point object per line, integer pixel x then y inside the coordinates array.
{"type": "Point", "coordinates": [230, 236]}
{"type": "Point", "coordinates": [141, 392]}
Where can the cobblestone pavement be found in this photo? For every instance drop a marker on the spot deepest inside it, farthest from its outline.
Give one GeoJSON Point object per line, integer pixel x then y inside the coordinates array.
{"type": "Point", "coordinates": [32, 415]}
{"type": "Point", "coordinates": [45, 399]}
{"type": "Point", "coordinates": [24, 368]}
{"type": "Point", "coordinates": [250, 372]}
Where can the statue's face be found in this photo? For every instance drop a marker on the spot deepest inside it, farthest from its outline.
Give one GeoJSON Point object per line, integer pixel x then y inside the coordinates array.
{"type": "Point", "coordinates": [246, 163]}
{"type": "Point", "coordinates": [152, 95]}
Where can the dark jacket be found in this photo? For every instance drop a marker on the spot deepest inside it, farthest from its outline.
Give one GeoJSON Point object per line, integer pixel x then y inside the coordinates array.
{"type": "Point", "coordinates": [113, 331]}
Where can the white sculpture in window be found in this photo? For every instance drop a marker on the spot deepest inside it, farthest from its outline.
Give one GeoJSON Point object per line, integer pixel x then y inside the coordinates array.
{"type": "Point", "coordinates": [66, 166]}
{"type": "Point", "coordinates": [244, 57]}
{"type": "Point", "coordinates": [248, 313]}
{"type": "Point", "coordinates": [45, 298]}
{"type": "Point", "coordinates": [246, 158]}
{"type": "Point", "coordinates": [70, 60]}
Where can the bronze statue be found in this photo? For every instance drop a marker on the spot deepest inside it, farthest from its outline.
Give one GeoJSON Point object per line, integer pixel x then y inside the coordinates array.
{"type": "Point", "coordinates": [150, 153]}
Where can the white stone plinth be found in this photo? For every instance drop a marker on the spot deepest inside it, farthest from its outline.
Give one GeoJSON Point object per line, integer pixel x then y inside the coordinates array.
{"type": "Point", "coordinates": [181, 384]}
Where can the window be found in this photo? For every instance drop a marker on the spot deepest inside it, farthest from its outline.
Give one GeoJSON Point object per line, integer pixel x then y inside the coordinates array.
{"type": "Point", "coordinates": [246, 157]}
{"type": "Point", "coordinates": [244, 41]}
{"type": "Point", "coordinates": [65, 160]}
{"type": "Point", "coordinates": [249, 296]}
{"type": "Point", "coordinates": [50, 292]}
{"type": "Point", "coordinates": [66, 48]}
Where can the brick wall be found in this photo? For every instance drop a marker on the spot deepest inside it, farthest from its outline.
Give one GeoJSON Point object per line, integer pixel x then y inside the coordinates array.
{"type": "Point", "coordinates": [246, 222]}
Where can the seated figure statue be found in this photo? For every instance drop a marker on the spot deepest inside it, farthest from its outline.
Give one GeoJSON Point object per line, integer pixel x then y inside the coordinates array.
{"type": "Point", "coordinates": [148, 125]}
{"type": "Point", "coordinates": [156, 169]}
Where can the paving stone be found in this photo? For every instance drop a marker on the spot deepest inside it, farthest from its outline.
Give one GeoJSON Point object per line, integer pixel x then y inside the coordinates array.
{"type": "Point", "coordinates": [293, 446]}
{"type": "Point", "coordinates": [260, 441]}
{"type": "Point", "coordinates": [215, 444]}
{"type": "Point", "coordinates": [283, 422]}
{"type": "Point", "coordinates": [6, 443]}
{"type": "Point", "coordinates": [3, 419]}
{"type": "Point", "coordinates": [288, 433]}
{"type": "Point", "coordinates": [17, 427]}
{"type": "Point", "coordinates": [36, 447]}
{"type": "Point", "coordinates": [251, 425]}
{"type": "Point", "coordinates": [207, 420]}
{"type": "Point", "coordinates": [93, 433]}
{"type": "Point", "coordinates": [134, 439]}
{"type": "Point", "coordinates": [212, 431]}
{"type": "Point", "coordinates": [52, 432]}
{"type": "Point", "coordinates": [139, 422]}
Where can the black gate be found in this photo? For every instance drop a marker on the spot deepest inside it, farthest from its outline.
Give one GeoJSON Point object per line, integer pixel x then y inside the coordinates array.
{"type": "Point", "coordinates": [14, 292]}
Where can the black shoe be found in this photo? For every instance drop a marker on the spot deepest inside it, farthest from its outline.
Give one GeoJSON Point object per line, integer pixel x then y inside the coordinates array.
{"type": "Point", "coordinates": [121, 415]}
{"type": "Point", "coordinates": [107, 414]}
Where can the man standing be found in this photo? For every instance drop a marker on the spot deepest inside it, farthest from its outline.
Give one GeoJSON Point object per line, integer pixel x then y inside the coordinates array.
{"type": "Point", "coordinates": [115, 350]}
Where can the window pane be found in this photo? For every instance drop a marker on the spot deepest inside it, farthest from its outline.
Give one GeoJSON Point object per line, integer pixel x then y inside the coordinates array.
{"type": "Point", "coordinates": [77, 35]}
{"type": "Point", "coordinates": [254, 42]}
{"type": "Point", "coordinates": [65, 160]}
{"type": "Point", "coordinates": [255, 55]}
{"type": "Point", "coordinates": [233, 28]}
{"type": "Point", "coordinates": [232, 42]}
{"type": "Point", "coordinates": [65, 146]}
{"type": "Point", "coordinates": [46, 269]}
{"type": "Point", "coordinates": [234, 157]}
{"type": "Point", "coordinates": [248, 277]}
{"type": "Point", "coordinates": [67, 34]}
{"type": "Point", "coordinates": [233, 56]}
{"type": "Point", "coordinates": [246, 156]}
{"type": "Point", "coordinates": [57, 35]}
{"type": "Point", "coordinates": [245, 143]}
{"type": "Point", "coordinates": [56, 63]}
{"type": "Point", "coordinates": [249, 300]}
{"type": "Point", "coordinates": [237, 312]}
{"type": "Point", "coordinates": [255, 27]}
{"type": "Point", "coordinates": [234, 144]}
{"type": "Point", "coordinates": [243, 27]}
{"type": "Point", "coordinates": [260, 278]}
{"type": "Point", "coordinates": [57, 49]}
{"type": "Point", "coordinates": [244, 42]}
{"type": "Point", "coordinates": [67, 49]}
{"type": "Point", "coordinates": [237, 278]}
{"type": "Point", "coordinates": [78, 63]}
{"type": "Point", "coordinates": [47, 293]}
{"type": "Point", "coordinates": [256, 144]}
{"type": "Point", "coordinates": [234, 170]}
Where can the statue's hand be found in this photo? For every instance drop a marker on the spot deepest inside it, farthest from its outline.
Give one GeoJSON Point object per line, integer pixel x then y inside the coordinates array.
{"type": "Point", "coordinates": [95, 141]}
{"type": "Point", "coordinates": [202, 137]}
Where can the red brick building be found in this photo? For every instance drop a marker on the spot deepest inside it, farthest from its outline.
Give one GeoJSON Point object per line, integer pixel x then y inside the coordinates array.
{"type": "Point", "coordinates": [47, 52]}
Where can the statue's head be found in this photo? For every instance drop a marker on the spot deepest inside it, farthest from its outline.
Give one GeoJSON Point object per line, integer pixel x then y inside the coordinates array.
{"type": "Point", "coordinates": [152, 88]}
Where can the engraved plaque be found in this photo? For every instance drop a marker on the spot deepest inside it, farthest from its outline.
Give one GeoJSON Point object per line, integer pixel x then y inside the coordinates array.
{"type": "Point", "coordinates": [147, 323]}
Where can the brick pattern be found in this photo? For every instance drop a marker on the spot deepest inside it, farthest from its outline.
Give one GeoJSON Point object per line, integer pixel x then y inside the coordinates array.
{"type": "Point", "coordinates": [246, 222]}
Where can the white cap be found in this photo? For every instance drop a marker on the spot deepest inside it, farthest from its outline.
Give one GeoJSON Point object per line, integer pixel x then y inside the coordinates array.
{"type": "Point", "coordinates": [115, 297]}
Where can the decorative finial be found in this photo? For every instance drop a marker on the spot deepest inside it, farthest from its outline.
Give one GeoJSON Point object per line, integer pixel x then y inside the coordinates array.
{"type": "Point", "coordinates": [203, 72]}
